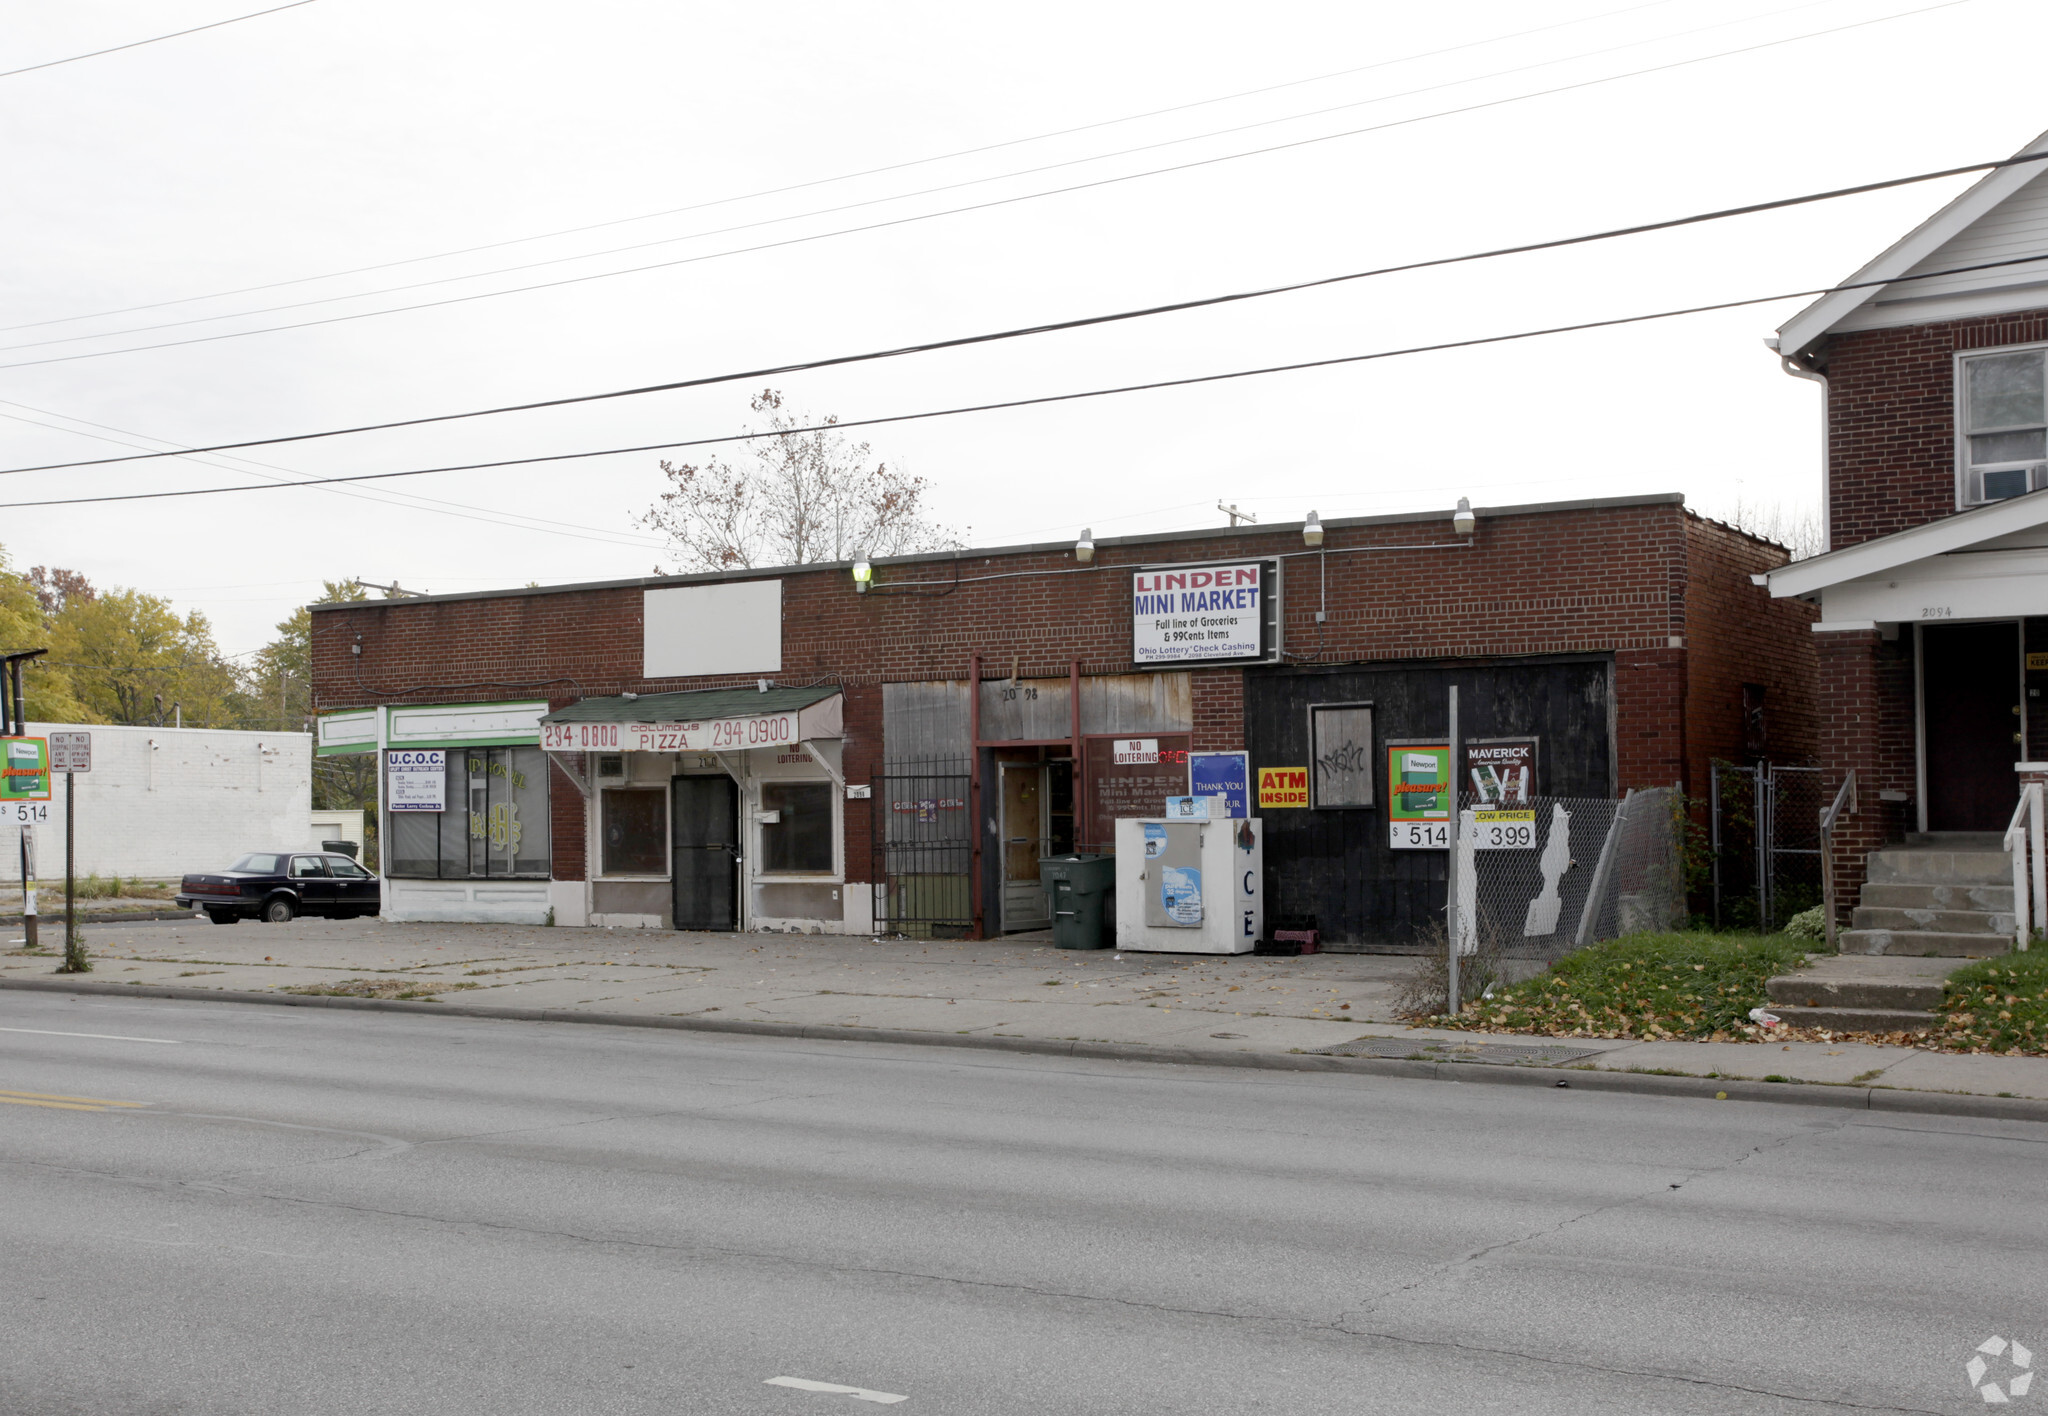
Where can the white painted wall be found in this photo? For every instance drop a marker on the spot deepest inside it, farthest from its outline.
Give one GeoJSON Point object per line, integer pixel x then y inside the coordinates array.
{"type": "Point", "coordinates": [163, 801]}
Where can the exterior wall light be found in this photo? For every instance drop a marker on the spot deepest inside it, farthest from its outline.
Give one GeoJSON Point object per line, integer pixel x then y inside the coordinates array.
{"type": "Point", "coordinates": [1312, 531]}
{"type": "Point", "coordinates": [1084, 549]}
{"type": "Point", "coordinates": [862, 573]}
{"type": "Point", "coordinates": [1462, 520]}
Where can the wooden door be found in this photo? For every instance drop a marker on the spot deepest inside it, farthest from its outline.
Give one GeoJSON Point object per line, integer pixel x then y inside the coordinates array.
{"type": "Point", "coordinates": [1024, 841]}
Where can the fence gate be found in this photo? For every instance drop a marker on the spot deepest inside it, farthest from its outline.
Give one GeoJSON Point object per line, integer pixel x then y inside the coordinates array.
{"type": "Point", "coordinates": [924, 849]}
{"type": "Point", "coordinates": [1765, 842]}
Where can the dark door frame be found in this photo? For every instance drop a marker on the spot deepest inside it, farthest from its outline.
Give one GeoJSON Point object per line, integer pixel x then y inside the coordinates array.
{"type": "Point", "coordinates": [2019, 670]}
{"type": "Point", "coordinates": [734, 851]}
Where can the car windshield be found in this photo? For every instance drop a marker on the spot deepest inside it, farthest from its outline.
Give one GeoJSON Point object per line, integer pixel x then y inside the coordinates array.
{"type": "Point", "coordinates": [259, 864]}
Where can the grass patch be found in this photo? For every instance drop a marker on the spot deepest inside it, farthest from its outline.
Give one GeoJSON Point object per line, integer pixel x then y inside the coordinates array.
{"type": "Point", "coordinates": [1644, 986]}
{"type": "Point", "coordinates": [1997, 1005]}
{"type": "Point", "coordinates": [378, 988]}
{"type": "Point", "coordinates": [113, 887]}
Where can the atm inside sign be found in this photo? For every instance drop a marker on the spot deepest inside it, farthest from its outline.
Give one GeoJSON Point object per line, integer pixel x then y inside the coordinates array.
{"type": "Point", "coordinates": [1283, 786]}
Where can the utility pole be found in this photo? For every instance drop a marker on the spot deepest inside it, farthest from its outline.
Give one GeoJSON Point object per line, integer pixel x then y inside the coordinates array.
{"type": "Point", "coordinates": [393, 591]}
{"type": "Point", "coordinates": [1235, 515]}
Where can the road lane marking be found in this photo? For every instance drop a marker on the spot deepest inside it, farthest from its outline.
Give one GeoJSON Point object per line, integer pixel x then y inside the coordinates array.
{"type": "Point", "coordinates": [9, 1093]}
{"type": "Point", "coordinates": [53, 1105]}
{"type": "Point", "coordinates": [882, 1398]}
{"type": "Point", "coordinates": [104, 1037]}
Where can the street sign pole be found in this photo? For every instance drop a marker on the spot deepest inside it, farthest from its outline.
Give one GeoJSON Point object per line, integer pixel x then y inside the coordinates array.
{"type": "Point", "coordinates": [71, 753]}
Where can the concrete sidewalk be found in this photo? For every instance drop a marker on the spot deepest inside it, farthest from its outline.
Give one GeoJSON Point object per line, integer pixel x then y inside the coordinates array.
{"type": "Point", "coordinates": [1018, 988]}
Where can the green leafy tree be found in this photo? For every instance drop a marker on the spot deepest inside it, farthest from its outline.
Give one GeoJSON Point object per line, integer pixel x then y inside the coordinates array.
{"type": "Point", "coordinates": [131, 659]}
{"type": "Point", "coordinates": [47, 686]}
{"type": "Point", "coordinates": [279, 682]}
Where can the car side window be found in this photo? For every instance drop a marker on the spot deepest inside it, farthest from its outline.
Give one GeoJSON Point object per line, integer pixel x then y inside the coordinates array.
{"type": "Point", "coordinates": [308, 865]}
{"type": "Point", "coordinates": [344, 867]}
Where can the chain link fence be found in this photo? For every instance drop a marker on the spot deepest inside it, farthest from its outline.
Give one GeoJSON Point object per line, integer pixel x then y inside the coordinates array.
{"type": "Point", "coordinates": [1572, 871]}
{"type": "Point", "coordinates": [1764, 837]}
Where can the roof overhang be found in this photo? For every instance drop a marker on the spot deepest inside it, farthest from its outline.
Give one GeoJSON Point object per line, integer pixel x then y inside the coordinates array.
{"type": "Point", "coordinates": [1965, 531]}
{"type": "Point", "coordinates": [707, 720]}
{"type": "Point", "coordinates": [1816, 321]}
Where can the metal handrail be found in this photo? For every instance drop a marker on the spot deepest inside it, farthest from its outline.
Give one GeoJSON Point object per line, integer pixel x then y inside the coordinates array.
{"type": "Point", "coordinates": [2023, 838]}
{"type": "Point", "coordinates": [1845, 800]}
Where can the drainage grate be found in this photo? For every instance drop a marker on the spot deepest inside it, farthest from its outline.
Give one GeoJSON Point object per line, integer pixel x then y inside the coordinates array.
{"type": "Point", "coordinates": [1427, 1050]}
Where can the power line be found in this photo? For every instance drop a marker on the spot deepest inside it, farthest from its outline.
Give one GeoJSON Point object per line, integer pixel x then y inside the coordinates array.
{"type": "Point", "coordinates": [156, 39]}
{"type": "Point", "coordinates": [846, 176]}
{"type": "Point", "coordinates": [950, 211]}
{"type": "Point", "coordinates": [1051, 398]}
{"type": "Point", "coordinates": [822, 211]}
{"type": "Point", "coordinates": [1081, 322]}
{"type": "Point", "coordinates": [412, 501]}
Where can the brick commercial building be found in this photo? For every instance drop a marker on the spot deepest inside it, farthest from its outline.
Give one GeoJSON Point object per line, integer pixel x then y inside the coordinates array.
{"type": "Point", "coordinates": [1933, 636]}
{"type": "Point", "coordinates": [797, 748]}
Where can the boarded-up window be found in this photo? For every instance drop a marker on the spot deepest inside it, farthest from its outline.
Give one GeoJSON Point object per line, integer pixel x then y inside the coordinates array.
{"type": "Point", "coordinates": [1340, 746]}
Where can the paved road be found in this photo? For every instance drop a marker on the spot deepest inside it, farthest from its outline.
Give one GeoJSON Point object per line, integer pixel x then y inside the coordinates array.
{"type": "Point", "coordinates": [313, 1212]}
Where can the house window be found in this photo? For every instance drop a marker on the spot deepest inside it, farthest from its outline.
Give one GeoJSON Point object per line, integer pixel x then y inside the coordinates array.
{"type": "Point", "coordinates": [798, 840]}
{"type": "Point", "coordinates": [635, 832]}
{"type": "Point", "coordinates": [494, 826]}
{"type": "Point", "coordinates": [2003, 425]}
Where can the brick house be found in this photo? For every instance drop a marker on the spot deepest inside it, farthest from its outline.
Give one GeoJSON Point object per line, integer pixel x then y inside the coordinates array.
{"type": "Point", "coordinates": [793, 748]}
{"type": "Point", "coordinates": [1933, 588]}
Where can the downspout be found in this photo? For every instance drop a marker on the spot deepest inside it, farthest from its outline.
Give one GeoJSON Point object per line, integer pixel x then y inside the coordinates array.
{"type": "Point", "coordinates": [1800, 371]}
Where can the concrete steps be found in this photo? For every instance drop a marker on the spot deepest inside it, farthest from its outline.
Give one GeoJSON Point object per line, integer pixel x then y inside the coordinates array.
{"type": "Point", "coordinates": [1894, 895]}
{"type": "Point", "coordinates": [1941, 921]}
{"type": "Point", "coordinates": [1945, 896]}
{"type": "Point", "coordinates": [1852, 993]}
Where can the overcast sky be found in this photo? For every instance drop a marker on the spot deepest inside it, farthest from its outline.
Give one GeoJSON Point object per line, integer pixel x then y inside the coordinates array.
{"type": "Point", "coordinates": [344, 134]}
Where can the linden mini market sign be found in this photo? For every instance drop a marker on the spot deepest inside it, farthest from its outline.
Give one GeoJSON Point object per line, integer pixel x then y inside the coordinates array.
{"type": "Point", "coordinates": [1202, 612]}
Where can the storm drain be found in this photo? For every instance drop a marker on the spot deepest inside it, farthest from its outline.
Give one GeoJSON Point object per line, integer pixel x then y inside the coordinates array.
{"type": "Point", "coordinates": [1426, 1050]}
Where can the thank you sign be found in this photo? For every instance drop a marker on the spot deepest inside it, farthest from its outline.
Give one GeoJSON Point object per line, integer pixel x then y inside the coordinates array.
{"type": "Point", "coordinates": [1192, 613]}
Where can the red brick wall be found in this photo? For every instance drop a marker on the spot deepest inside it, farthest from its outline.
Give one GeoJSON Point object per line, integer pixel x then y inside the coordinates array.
{"type": "Point", "coordinates": [1592, 578]}
{"type": "Point", "coordinates": [1219, 710]}
{"type": "Point", "coordinates": [1867, 683]}
{"type": "Point", "coordinates": [1891, 420]}
{"type": "Point", "coordinates": [1737, 634]}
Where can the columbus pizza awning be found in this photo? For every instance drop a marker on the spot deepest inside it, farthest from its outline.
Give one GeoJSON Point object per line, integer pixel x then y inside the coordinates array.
{"type": "Point", "coordinates": [715, 720]}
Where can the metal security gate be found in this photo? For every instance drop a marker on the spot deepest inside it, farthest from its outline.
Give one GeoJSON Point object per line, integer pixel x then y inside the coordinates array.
{"type": "Point", "coordinates": [1765, 842]}
{"type": "Point", "coordinates": [924, 849]}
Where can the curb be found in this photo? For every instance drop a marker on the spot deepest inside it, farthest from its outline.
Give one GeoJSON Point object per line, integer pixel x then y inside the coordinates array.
{"type": "Point", "coordinates": [56, 917]}
{"type": "Point", "coordinates": [1848, 1098]}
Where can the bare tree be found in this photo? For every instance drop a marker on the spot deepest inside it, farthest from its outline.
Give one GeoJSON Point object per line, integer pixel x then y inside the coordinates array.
{"type": "Point", "coordinates": [803, 497]}
{"type": "Point", "coordinates": [1795, 527]}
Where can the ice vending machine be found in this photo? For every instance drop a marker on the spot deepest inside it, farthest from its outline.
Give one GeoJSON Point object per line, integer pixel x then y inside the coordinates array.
{"type": "Point", "coordinates": [1190, 887]}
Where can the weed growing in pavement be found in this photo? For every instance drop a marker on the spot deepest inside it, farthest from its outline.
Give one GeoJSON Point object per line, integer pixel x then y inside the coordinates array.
{"type": "Point", "coordinates": [378, 988]}
{"type": "Point", "coordinates": [1644, 986]}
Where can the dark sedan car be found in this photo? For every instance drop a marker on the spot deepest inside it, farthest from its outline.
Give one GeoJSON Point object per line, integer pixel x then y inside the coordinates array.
{"type": "Point", "coordinates": [275, 885]}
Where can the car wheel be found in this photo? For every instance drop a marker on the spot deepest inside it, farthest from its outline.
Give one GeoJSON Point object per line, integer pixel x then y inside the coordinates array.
{"type": "Point", "coordinates": [278, 911]}
{"type": "Point", "coordinates": [223, 916]}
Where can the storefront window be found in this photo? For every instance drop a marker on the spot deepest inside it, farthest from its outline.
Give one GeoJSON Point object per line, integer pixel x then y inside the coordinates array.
{"type": "Point", "coordinates": [801, 841]}
{"type": "Point", "coordinates": [635, 832]}
{"type": "Point", "coordinates": [495, 825]}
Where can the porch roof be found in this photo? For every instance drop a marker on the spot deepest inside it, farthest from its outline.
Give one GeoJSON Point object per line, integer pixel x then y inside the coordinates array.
{"type": "Point", "coordinates": [693, 706]}
{"type": "Point", "coordinates": [1970, 530]}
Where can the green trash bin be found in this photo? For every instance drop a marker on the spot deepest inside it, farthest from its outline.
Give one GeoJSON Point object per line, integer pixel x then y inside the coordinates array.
{"type": "Point", "coordinates": [1082, 890]}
